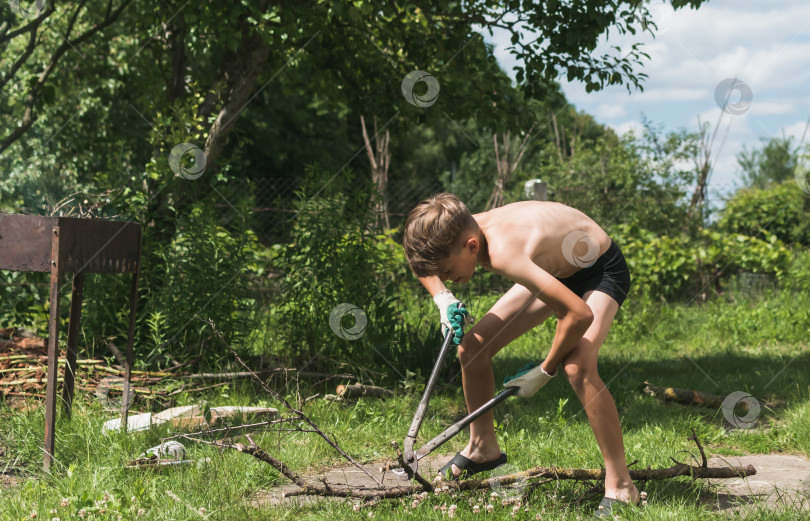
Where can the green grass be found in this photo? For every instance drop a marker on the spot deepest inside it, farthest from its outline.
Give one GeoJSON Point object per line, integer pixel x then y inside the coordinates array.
{"type": "Point", "coordinates": [723, 346]}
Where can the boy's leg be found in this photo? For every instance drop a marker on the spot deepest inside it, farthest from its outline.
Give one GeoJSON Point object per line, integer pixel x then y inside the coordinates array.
{"type": "Point", "coordinates": [516, 312]}
{"type": "Point", "coordinates": [580, 368]}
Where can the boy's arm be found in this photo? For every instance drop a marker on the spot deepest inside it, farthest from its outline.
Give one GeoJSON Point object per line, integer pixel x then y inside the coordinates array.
{"type": "Point", "coordinates": [433, 284]}
{"type": "Point", "coordinates": [573, 314]}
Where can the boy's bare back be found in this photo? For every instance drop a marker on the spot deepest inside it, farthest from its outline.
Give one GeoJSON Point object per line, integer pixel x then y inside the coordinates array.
{"type": "Point", "coordinates": [557, 238]}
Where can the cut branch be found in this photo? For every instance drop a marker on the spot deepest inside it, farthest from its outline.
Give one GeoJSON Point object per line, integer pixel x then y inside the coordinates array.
{"type": "Point", "coordinates": [298, 413]}
{"type": "Point", "coordinates": [526, 477]}
{"type": "Point", "coordinates": [684, 396]}
{"type": "Point", "coordinates": [358, 390]}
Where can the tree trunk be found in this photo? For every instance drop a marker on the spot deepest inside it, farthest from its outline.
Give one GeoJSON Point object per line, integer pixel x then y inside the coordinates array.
{"type": "Point", "coordinates": [379, 158]}
{"type": "Point", "coordinates": [704, 163]}
{"type": "Point", "coordinates": [506, 164]}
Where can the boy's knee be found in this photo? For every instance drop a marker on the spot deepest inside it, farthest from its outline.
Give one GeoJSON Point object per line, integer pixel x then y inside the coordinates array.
{"type": "Point", "coordinates": [580, 375]}
{"type": "Point", "coordinates": [472, 351]}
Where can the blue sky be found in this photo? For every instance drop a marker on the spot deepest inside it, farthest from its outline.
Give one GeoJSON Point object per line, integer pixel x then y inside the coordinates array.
{"type": "Point", "coordinates": [765, 45]}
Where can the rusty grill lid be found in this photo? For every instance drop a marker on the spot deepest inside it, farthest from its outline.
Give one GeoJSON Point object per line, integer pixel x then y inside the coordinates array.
{"type": "Point", "coordinates": [85, 245]}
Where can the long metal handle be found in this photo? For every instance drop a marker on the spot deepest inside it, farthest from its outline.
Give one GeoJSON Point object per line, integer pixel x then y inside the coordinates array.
{"type": "Point", "coordinates": [410, 439]}
{"type": "Point", "coordinates": [454, 429]}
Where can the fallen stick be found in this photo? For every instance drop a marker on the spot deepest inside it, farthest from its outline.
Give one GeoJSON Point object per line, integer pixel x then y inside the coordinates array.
{"type": "Point", "coordinates": [247, 374]}
{"type": "Point", "coordinates": [298, 413]}
{"type": "Point", "coordinates": [358, 390]}
{"type": "Point", "coordinates": [12, 393]}
{"type": "Point", "coordinates": [182, 390]}
{"type": "Point", "coordinates": [320, 488]}
{"type": "Point", "coordinates": [89, 363]}
{"type": "Point", "coordinates": [136, 390]}
{"type": "Point", "coordinates": [685, 396]}
{"type": "Point", "coordinates": [158, 374]}
{"type": "Point", "coordinates": [29, 381]}
{"type": "Point", "coordinates": [16, 357]}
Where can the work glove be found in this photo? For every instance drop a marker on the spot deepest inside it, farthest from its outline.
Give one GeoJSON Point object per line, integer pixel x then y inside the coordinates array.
{"type": "Point", "coordinates": [453, 314]}
{"type": "Point", "coordinates": [529, 379]}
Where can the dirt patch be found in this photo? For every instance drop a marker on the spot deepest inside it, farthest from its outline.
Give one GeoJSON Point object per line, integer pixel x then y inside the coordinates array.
{"type": "Point", "coordinates": [781, 482]}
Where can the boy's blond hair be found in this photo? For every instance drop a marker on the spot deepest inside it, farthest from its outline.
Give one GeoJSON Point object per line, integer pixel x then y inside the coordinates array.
{"type": "Point", "coordinates": [434, 229]}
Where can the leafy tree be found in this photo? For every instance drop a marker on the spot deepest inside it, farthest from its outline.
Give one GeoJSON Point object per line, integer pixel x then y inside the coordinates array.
{"type": "Point", "coordinates": [96, 94]}
{"type": "Point", "coordinates": [774, 162]}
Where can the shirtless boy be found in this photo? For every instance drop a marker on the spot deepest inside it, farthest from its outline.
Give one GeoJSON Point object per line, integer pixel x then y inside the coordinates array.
{"type": "Point", "coordinates": [563, 263]}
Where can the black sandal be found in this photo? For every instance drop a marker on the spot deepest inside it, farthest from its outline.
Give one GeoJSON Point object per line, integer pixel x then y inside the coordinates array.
{"type": "Point", "coordinates": [469, 467]}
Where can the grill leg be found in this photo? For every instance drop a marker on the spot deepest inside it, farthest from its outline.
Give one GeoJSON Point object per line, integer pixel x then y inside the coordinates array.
{"type": "Point", "coordinates": [73, 339]}
{"type": "Point", "coordinates": [133, 303]}
{"type": "Point", "coordinates": [53, 342]}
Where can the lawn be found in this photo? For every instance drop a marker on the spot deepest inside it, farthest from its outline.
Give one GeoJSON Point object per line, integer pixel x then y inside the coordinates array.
{"type": "Point", "coordinates": [754, 344]}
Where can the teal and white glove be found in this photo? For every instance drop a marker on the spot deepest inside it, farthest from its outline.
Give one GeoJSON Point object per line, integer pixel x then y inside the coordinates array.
{"type": "Point", "coordinates": [453, 314]}
{"type": "Point", "coordinates": [529, 379]}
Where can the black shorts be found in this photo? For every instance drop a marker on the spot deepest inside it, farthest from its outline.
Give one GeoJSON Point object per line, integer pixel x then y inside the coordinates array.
{"type": "Point", "coordinates": [608, 274]}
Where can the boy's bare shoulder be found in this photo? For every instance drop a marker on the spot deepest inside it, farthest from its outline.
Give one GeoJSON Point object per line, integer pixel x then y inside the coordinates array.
{"type": "Point", "coordinates": [540, 232]}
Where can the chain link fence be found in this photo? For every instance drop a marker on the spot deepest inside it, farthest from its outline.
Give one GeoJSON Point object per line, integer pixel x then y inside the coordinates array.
{"type": "Point", "coordinates": [271, 208]}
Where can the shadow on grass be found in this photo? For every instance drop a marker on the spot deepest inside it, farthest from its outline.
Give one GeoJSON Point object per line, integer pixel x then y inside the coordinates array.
{"type": "Point", "coordinates": [776, 381]}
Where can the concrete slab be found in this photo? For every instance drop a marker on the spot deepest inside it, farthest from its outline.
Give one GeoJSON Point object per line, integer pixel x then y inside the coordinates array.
{"type": "Point", "coordinates": [782, 482]}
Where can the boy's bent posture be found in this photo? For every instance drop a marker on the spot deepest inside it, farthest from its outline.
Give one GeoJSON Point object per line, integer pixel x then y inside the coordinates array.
{"type": "Point", "coordinates": [563, 263]}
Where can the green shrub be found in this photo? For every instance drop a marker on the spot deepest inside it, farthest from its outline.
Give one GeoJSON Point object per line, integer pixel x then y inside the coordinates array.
{"type": "Point", "coordinates": [782, 210]}
{"type": "Point", "coordinates": [340, 279]}
{"type": "Point", "coordinates": [798, 272]}
{"type": "Point", "coordinates": [202, 272]}
{"type": "Point", "coordinates": [683, 267]}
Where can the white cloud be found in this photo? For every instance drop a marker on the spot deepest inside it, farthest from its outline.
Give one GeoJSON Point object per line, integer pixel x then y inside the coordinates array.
{"type": "Point", "coordinates": [797, 131]}
{"type": "Point", "coordinates": [628, 126]}
{"type": "Point", "coordinates": [769, 108]}
{"type": "Point", "coordinates": [609, 111]}
{"type": "Point", "coordinates": [764, 44]}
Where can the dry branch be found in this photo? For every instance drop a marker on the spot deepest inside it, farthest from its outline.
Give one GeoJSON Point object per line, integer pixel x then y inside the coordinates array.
{"type": "Point", "coordinates": [526, 477]}
{"type": "Point", "coordinates": [359, 390]}
{"type": "Point", "coordinates": [297, 412]}
{"type": "Point", "coordinates": [684, 396]}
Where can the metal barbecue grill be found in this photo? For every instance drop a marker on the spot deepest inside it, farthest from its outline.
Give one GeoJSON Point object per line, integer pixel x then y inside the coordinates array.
{"type": "Point", "coordinates": [62, 245]}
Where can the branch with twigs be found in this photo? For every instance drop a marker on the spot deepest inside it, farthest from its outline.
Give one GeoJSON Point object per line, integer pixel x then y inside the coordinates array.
{"type": "Point", "coordinates": [528, 478]}
{"type": "Point", "coordinates": [297, 413]}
